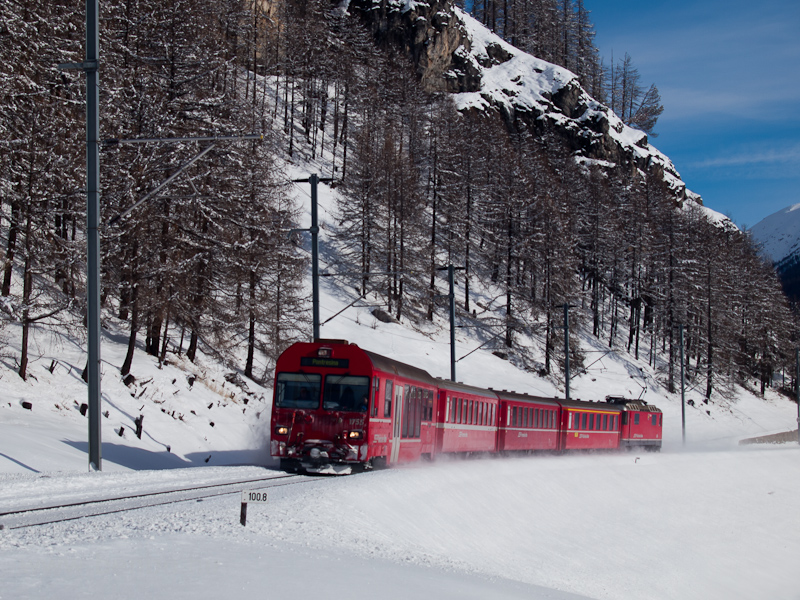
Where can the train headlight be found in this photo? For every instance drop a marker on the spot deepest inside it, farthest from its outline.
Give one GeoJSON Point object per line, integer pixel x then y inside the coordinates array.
{"type": "Point", "coordinates": [281, 430]}
{"type": "Point", "coordinates": [355, 435]}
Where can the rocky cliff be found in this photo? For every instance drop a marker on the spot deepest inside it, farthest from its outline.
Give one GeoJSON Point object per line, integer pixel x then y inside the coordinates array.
{"type": "Point", "coordinates": [454, 53]}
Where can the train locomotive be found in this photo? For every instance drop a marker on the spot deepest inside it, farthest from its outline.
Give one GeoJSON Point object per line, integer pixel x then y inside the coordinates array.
{"type": "Point", "coordinates": [338, 408]}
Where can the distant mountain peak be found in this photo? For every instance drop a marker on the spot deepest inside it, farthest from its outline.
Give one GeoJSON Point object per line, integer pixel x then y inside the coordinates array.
{"type": "Point", "coordinates": [779, 234]}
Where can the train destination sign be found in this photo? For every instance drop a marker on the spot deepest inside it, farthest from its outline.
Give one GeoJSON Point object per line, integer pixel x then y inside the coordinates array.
{"type": "Point", "coordinates": [329, 363]}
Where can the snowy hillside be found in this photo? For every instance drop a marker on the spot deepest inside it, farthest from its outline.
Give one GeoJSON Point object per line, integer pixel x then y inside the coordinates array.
{"type": "Point", "coordinates": [677, 525]}
{"type": "Point", "coordinates": [704, 519]}
{"type": "Point", "coordinates": [779, 234]}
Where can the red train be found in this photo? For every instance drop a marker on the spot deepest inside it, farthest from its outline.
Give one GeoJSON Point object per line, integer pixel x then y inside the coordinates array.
{"type": "Point", "coordinates": [337, 406]}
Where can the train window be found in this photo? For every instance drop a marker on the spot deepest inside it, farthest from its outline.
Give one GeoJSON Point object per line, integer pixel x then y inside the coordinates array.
{"type": "Point", "coordinates": [298, 390]}
{"type": "Point", "coordinates": [481, 414]}
{"type": "Point", "coordinates": [635, 418]}
{"type": "Point", "coordinates": [605, 422]}
{"type": "Point", "coordinates": [591, 421]}
{"type": "Point", "coordinates": [387, 399]}
{"type": "Point", "coordinates": [346, 392]}
{"type": "Point", "coordinates": [376, 384]}
{"type": "Point", "coordinates": [514, 416]}
{"type": "Point", "coordinates": [584, 419]}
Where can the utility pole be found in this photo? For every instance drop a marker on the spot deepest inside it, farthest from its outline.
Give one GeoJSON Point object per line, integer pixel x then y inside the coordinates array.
{"type": "Point", "coordinates": [451, 279]}
{"type": "Point", "coordinates": [566, 350]}
{"type": "Point", "coordinates": [683, 390]}
{"type": "Point", "coordinates": [90, 67]}
{"type": "Point", "coordinates": [452, 297]}
{"type": "Point", "coordinates": [93, 228]}
{"type": "Point", "coordinates": [314, 230]}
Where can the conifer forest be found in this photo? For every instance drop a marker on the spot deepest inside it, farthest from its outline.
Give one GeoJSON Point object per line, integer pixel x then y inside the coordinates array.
{"type": "Point", "coordinates": [211, 262]}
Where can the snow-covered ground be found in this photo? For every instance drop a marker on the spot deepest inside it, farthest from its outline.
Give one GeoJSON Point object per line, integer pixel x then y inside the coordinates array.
{"type": "Point", "coordinates": [708, 519]}
{"type": "Point", "coordinates": [711, 519]}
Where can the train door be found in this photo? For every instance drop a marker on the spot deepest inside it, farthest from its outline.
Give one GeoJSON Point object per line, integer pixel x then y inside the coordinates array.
{"type": "Point", "coordinates": [396, 423]}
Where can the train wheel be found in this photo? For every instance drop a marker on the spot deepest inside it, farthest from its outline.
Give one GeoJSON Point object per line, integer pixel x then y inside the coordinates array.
{"type": "Point", "coordinates": [289, 465]}
{"type": "Point", "coordinates": [378, 462]}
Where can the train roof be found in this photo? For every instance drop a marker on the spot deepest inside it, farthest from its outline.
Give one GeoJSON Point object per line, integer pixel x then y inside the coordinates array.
{"type": "Point", "coordinates": [518, 397]}
{"type": "Point", "coordinates": [390, 365]}
{"type": "Point", "coordinates": [628, 404]}
{"type": "Point", "coordinates": [463, 387]}
{"type": "Point", "coordinates": [588, 405]}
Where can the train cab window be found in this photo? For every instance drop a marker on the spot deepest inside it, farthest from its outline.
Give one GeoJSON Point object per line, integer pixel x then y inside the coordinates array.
{"type": "Point", "coordinates": [636, 418]}
{"type": "Point", "coordinates": [376, 384]}
{"type": "Point", "coordinates": [387, 399]}
{"type": "Point", "coordinates": [298, 390]}
{"type": "Point", "coordinates": [346, 392]}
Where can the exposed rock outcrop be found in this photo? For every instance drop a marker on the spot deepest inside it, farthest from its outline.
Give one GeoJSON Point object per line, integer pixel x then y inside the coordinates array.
{"type": "Point", "coordinates": [455, 54]}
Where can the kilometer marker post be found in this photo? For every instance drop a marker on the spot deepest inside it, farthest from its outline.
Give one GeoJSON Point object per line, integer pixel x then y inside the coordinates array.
{"type": "Point", "coordinates": [247, 497]}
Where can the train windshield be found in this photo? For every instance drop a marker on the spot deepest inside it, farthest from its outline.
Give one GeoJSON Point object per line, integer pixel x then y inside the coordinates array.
{"type": "Point", "coordinates": [346, 392]}
{"type": "Point", "coordinates": [297, 390]}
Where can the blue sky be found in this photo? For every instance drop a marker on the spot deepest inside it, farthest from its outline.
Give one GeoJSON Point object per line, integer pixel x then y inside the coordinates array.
{"type": "Point", "coordinates": [729, 76]}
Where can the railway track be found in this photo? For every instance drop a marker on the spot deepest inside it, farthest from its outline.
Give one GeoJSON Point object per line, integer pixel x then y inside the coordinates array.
{"type": "Point", "coordinates": [18, 518]}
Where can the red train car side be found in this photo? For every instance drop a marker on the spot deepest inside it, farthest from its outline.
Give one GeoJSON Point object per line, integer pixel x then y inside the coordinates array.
{"type": "Point", "coordinates": [527, 423]}
{"type": "Point", "coordinates": [589, 425]}
{"type": "Point", "coordinates": [466, 419]}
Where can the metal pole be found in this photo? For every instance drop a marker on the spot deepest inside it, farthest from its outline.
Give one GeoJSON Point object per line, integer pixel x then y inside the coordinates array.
{"type": "Point", "coordinates": [92, 230]}
{"type": "Point", "coordinates": [797, 388]}
{"type": "Point", "coordinates": [683, 391]}
{"type": "Point", "coordinates": [314, 179]}
{"type": "Point", "coordinates": [451, 279]}
{"type": "Point", "coordinates": [566, 349]}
